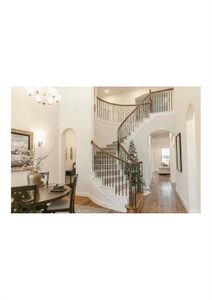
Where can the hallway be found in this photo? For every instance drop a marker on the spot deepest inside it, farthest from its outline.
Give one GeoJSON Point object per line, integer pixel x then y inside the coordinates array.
{"type": "Point", "coordinates": [163, 198]}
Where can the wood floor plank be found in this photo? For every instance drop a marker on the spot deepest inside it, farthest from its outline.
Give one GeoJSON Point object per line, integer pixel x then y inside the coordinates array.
{"type": "Point", "coordinates": [163, 198]}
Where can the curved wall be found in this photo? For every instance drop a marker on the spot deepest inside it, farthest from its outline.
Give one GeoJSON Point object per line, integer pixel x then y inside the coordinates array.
{"type": "Point", "coordinates": [161, 121]}
{"type": "Point", "coordinates": [183, 97]}
{"type": "Point", "coordinates": [76, 113]}
{"type": "Point", "coordinates": [104, 132]}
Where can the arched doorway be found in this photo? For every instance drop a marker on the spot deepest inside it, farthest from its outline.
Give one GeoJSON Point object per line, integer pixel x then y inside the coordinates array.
{"type": "Point", "coordinates": [162, 154]}
{"type": "Point", "coordinates": [191, 159]}
{"type": "Point", "coordinates": [68, 153]}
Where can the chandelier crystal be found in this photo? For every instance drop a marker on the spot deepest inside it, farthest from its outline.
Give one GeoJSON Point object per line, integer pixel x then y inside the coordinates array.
{"type": "Point", "coordinates": [44, 95]}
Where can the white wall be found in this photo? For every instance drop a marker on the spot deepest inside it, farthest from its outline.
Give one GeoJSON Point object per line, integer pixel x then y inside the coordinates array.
{"type": "Point", "coordinates": [129, 97]}
{"type": "Point", "coordinates": [76, 112]}
{"type": "Point", "coordinates": [26, 114]}
{"type": "Point", "coordinates": [104, 132]}
{"type": "Point", "coordinates": [172, 158]}
{"type": "Point", "coordinates": [182, 98]}
{"type": "Point", "coordinates": [126, 98]}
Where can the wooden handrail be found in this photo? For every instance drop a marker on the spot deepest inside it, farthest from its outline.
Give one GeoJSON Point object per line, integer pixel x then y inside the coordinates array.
{"type": "Point", "coordinates": [116, 104]}
{"type": "Point", "coordinates": [138, 109]}
{"type": "Point", "coordinates": [119, 129]}
{"type": "Point", "coordinates": [122, 175]}
{"type": "Point", "coordinates": [129, 156]}
{"type": "Point", "coordinates": [110, 154]}
{"type": "Point", "coordinates": [112, 112]}
{"type": "Point", "coordinates": [127, 117]}
{"type": "Point", "coordinates": [129, 170]}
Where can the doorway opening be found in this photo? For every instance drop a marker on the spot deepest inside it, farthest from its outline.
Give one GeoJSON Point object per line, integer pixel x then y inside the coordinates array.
{"type": "Point", "coordinates": [161, 154]}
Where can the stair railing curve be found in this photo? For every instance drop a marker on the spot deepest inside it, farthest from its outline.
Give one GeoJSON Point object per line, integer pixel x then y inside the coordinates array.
{"type": "Point", "coordinates": [158, 101]}
{"type": "Point", "coordinates": [112, 112]}
{"type": "Point", "coordinates": [116, 173]}
{"type": "Point", "coordinates": [106, 164]}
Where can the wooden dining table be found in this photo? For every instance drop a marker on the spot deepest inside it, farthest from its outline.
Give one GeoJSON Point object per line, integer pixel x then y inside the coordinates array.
{"type": "Point", "coordinates": [45, 195]}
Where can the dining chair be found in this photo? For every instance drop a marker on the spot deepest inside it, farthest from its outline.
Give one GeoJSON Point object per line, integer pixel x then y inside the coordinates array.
{"type": "Point", "coordinates": [24, 199]}
{"type": "Point", "coordinates": [64, 205]}
{"type": "Point", "coordinates": [44, 177]}
{"type": "Point", "coordinates": [71, 173]}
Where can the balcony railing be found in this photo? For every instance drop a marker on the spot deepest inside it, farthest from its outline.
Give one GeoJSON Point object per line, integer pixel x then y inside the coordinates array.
{"type": "Point", "coordinates": [122, 172]}
{"type": "Point", "coordinates": [161, 101]}
{"type": "Point", "coordinates": [112, 112]}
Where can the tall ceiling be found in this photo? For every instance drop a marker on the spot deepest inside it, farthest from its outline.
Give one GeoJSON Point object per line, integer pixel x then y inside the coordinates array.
{"type": "Point", "coordinates": [109, 91]}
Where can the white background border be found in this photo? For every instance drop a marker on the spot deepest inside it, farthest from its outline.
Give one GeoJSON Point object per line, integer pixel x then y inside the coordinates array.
{"type": "Point", "coordinates": [78, 43]}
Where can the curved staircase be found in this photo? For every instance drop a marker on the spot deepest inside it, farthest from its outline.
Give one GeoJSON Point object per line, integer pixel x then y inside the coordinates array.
{"type": "Point", "coordinates": [115, 170]}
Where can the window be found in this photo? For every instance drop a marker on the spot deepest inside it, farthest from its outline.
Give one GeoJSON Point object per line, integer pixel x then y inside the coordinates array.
{"type": "Point", "coordinates": [165, 155]}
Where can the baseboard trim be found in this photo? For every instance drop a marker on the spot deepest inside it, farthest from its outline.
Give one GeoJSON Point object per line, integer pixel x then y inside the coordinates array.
{"type": "Point", "coordinates": [83, 194]}
{"type": "Point", "coordinates": [103, 204]}
{"type": "Point", "coordinates": [96, 201]}
{"type": "Point", "coordinates": [183, 201]}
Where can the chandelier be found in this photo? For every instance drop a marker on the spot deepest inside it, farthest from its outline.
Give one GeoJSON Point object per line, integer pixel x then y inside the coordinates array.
{"type": "Point", "coordinates": [44, 95]}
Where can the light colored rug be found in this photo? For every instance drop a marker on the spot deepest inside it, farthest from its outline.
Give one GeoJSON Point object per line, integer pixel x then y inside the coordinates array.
{"type": "Point", "coordinates": [87, 209]}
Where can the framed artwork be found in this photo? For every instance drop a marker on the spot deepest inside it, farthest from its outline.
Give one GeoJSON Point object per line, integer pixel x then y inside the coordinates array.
{"type": "Point", "coordinates": [178, 153]}
{"type": "Point", "coordinates": [21, 140]}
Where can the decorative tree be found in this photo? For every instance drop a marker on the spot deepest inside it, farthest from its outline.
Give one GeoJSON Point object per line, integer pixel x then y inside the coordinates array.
{"type": "Point", "coordinates": [30, 161]}
{"type": "Point", "coordinates": [132, 151]}
{"type": "Point", "coordinates": [134, 170]}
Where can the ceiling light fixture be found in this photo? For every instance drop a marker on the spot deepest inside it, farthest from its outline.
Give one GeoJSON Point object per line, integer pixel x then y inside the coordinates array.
{"type": "Point", "coordinates": [106, 91]}
{"type": "Point", "coordinates": [44, 95]}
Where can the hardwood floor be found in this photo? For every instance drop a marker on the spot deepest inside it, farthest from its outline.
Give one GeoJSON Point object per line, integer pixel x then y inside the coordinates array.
{"type": "Point", "coordinates": [85, 201]}
{"type": "Point", "coordinates": [163, 198]}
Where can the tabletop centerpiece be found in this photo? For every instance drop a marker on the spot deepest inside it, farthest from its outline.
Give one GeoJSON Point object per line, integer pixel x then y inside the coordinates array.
{"type": "Point", "coordinates": [33, 162]}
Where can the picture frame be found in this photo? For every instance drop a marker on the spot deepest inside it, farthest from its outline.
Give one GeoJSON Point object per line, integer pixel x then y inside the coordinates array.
{"type": "Point", "coordinates": [20, 140]}
{"type": "Point", "coordinates": [178, 152]}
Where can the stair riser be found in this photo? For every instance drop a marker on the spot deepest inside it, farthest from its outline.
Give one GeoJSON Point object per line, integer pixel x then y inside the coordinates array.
{"type": "Point", "coordinates": [109, 171]}
{"type": "Point", "coordinates": [99, 153]}
{"type": "Point", "coordinates": [111, 146]}
{"type": "Point", "coordinates": [110, 175]}
{"type": "Point", "coordinates": [105, 165]}
{"type": "Point", "coordinates": [119, 189]}
{"type": "Point", "coordinates": [116, 180]}
{"type": "Point", "coordinates": [101, 160]}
